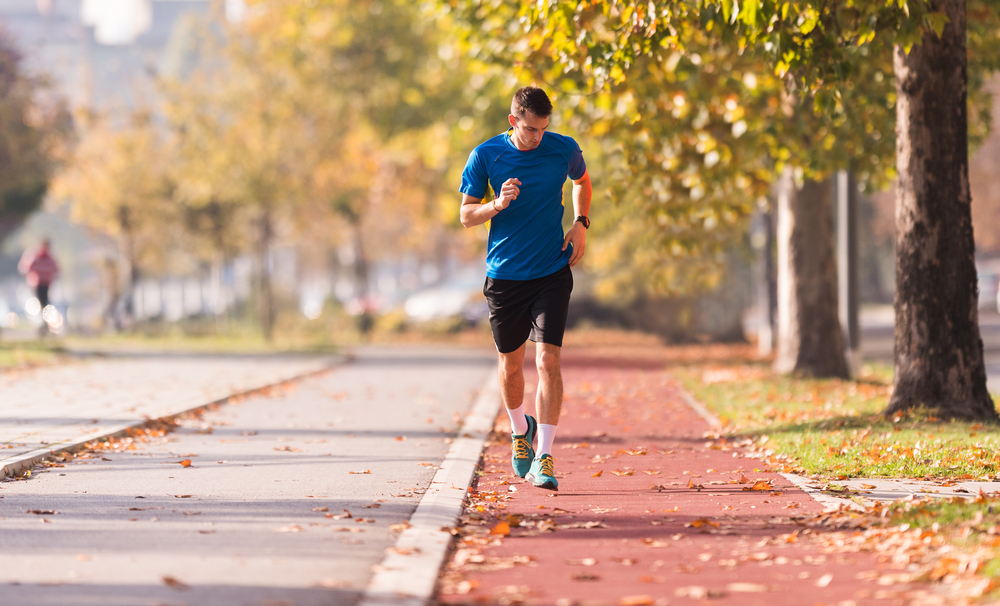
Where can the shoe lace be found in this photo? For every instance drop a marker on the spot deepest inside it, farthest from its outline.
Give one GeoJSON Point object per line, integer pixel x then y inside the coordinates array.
{"type": "Point", "coordinates": [522, 448]}
{"type": "Point", "coordinates": [547, 467]}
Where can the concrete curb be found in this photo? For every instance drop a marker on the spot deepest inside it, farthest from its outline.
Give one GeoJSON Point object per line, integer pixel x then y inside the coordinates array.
{"type": "Point", "coordinates": [408, 574]}
{"type": "Point", "coordinates": [17, 464]}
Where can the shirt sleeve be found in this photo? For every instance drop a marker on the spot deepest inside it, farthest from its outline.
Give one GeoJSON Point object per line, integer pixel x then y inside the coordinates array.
{"type": "Point", "coordinates": [475, 178]}
{"type": "Point", "coordinates": [577, 167]}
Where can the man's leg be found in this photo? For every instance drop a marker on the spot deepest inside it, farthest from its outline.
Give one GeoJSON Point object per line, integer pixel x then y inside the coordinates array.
{"type": "Point", "coordinates": [510, 371]}
{"type": "Point", "coordinates": [548, 399]}
{"type": "Point", "coordinates": [510, 374]}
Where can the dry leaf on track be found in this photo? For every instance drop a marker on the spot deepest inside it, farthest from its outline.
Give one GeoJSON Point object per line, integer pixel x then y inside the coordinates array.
{"type": "Point", "coordinates": [360, 473]}
{"type": "Point", "coordinates": [502, 529]}
{"type": "Point", "coordinates": [618, 472]}
{"type": "Point", "coordinates": [760, 485]}
{"type": "Point", "coordinates": [597, 475]}
{"type": "Point", "coordinates": [290, 528]}
{"type": "Point", "coordinates": [746, 588]}
{"type": "Point", "coordinates": [175, 584]}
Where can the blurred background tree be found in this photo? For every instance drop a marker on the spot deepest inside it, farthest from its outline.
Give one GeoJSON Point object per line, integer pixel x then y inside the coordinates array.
{"type": "Point", "coordinates": [34, 130]}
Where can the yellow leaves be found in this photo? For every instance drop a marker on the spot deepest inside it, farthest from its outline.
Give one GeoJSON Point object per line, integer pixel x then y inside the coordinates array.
{"type": "Point", "coordinates": [185, 463]}
{"type": "Point", "coordinates": [598, 474]}
{"type": "Point", "coordinates": [691, 484]}
{"type": "Point", "coordinates": [500, 529]}
{"type": "Point", "coordinates": [619, 472]}
{"type": "Point", "coordinates": [701, 522]}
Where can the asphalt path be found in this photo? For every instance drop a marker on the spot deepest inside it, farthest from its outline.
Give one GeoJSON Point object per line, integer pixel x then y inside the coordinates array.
{"type": "Point", "coordinates": [259, 516]}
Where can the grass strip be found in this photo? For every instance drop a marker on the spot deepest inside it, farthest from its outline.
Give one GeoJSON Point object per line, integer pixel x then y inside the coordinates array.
{"type": "Point", "coordinates": [835, 428]}
{"type": "Point", "coordinates": [28, 354]}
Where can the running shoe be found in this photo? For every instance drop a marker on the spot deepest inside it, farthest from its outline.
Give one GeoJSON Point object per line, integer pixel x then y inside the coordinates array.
{"type": "Point", "coordinates": [522, 453]}
{"type": "Point", "coordinates": [542, 473]}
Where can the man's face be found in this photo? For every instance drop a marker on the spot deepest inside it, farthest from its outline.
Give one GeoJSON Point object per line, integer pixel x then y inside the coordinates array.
{"type": "Point", "coordinates": [528, 130]}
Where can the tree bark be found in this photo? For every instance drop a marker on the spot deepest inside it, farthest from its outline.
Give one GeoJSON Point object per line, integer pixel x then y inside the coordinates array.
{"type": "Point", "coordinates": [810, 341]}
{"type": "Point", "coordinates": [265, 290]}
{"type": "Point", "coordinates": [938, 347]}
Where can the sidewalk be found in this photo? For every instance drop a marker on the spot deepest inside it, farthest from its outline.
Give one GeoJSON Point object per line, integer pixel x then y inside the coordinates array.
{"type": "Point", "coordinates": [58, 407]}
{"type": "Point", "coordinates": [648, 512]}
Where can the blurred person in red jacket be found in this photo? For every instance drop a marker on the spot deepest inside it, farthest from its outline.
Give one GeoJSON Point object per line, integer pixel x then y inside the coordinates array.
{"type": "Point", "coordinates": [40, 270]}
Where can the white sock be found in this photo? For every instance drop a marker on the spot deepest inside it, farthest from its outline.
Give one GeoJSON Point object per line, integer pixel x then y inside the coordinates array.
{"type": "Point", "coordinates": [546, 436]}
{"type": "Point", "coordinates": [518, 422]}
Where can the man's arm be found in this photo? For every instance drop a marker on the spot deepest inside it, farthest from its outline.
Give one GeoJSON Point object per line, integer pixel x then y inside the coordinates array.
{"type": "Point", "coordinates": [577, 235]}
{"type": "Point", "coordinates": [474, 212]}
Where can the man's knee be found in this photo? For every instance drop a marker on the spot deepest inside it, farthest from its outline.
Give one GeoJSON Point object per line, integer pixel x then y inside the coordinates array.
{"type": "Point", "coordinates": [547, 361]}
{"type": "Point", "coordinates": [511, 363]}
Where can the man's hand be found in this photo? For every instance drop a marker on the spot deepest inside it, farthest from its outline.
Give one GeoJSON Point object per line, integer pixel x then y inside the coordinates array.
{"type": "Point", "coordinates": [508, 193]}
{"type": "Point", "coordinates": [578, 236]}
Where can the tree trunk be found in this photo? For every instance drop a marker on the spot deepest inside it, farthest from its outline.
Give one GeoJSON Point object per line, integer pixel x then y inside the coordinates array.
{"type": "Point", "coordinates": [810, 341]}
{"type": "Point", "coordinates": [265, 290]}
{"type": "Point", "coordinates": [938, 348]}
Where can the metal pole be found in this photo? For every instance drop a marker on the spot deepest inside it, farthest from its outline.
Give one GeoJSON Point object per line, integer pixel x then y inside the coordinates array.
{"type": "Point", "coordinates": [847, 265]}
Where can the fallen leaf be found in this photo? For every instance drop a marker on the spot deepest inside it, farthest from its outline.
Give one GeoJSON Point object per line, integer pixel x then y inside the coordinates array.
{"type": "Point", "coordinates": [583, 562]}
{"type": "Point", "coordinates": [399, 527]}
{"type": "Point", "coordinates": [290, 528]}
{"type": "Point", "coordinates": [367, 471]}
{"type": "Point", "coordinates": [695, 592]}
{"type": "Point", "coordinates": [174, 584]}
{"type": "Point", "coordinates": [618, 472]}
{"type": "Point", "coordinates": [364, 520]}
{"type": "Point", "coordinates": [691, 484]}
{"type": "Point", "coordinates": [746, 588]}
{"type": "Point", "coordinates": [701, 522]}
{"type": "Point", "coordinates": [185, 463]}
{"type": "Point", "coordinates": [289, 449]}
{"type": "Point", "coordinates": [651, 472]}
{"type": "Point", "coordinates": [597, 475]}
{"type": "Point", "coordinates": [761, 485]}
{"type": "Point", "coordinates": [183, 496]}
{"type": "Point", "coordinates": [404, 550]}
{"type": "Point", "coordinates": [43, 512]}
{"type": "Point", "coordinates": [502, 529]}
{"type": "Point", "coordinates": [585, 576]}
{"type": "Point", "coordinates": [636, 600]}
{"type": "Point", "coordinates": [868, 486]}
{"type": "Point", "coordinates": [372, 506]}
{"type": "Point", "coordinates": [321, 509]}
{"type": "Point", "coordinates": [824, 580]}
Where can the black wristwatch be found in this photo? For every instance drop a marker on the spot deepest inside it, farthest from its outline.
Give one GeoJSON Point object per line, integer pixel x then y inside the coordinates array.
{"type": "Point", "coordinates": [583, 219]}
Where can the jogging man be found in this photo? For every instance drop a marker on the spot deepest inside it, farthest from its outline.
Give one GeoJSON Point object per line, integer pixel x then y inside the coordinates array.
{"type": "Point", "coordinates": [528, 277]}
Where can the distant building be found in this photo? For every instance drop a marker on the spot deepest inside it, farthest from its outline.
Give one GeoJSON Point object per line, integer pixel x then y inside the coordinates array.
{"type": "Point", "coordinates": [56, 41]}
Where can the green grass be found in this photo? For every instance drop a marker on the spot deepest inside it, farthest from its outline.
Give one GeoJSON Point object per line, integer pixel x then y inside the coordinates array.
{"type": "Point", "coordinates": [28, 354]}
{"type": "Point", "coordinates": [292, 334]}
{"type": "Point", "coordinates": [835, 428]}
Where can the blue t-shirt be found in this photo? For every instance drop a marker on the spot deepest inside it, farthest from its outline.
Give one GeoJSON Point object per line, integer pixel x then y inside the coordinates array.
{"type": "Point", "coordinates": [525, 240]}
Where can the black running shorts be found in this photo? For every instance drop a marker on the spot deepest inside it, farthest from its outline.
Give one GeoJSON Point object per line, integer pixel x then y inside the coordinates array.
{"type": "Point", "coordinates": [523, 309]}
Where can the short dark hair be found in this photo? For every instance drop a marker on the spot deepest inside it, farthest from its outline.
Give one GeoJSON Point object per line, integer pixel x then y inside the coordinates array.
{"type": "Point", "coordinates": [531, 99]}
